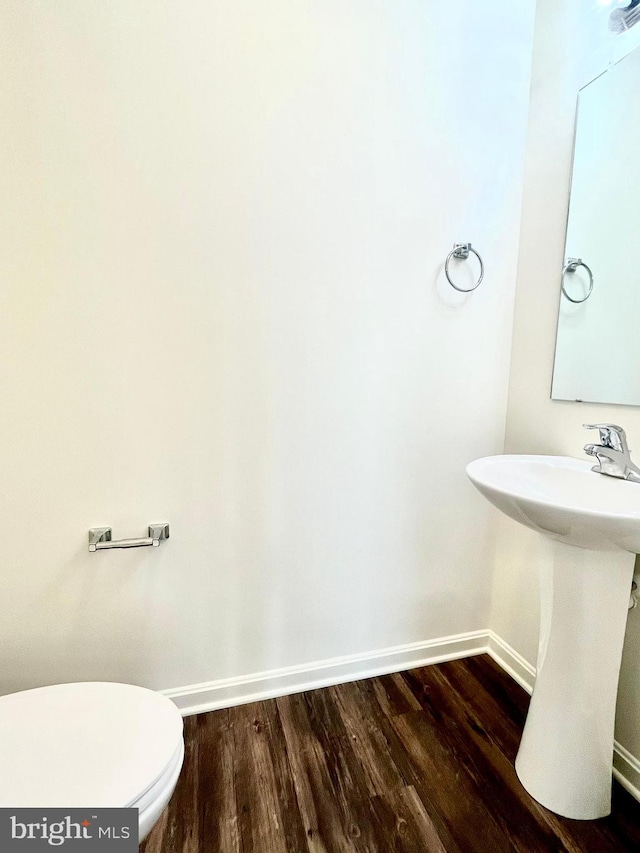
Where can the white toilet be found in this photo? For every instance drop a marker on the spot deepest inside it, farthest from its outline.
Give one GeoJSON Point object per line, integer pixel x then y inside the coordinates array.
{"type": "Point", "coordinates": [91, 744]}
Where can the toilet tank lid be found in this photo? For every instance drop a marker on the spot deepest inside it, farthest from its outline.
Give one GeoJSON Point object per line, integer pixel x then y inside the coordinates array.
{"type": "Point", "coordinates": [85, 744]}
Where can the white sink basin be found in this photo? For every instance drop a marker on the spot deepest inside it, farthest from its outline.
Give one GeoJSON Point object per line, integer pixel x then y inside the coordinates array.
{"type": "Point", "coordinates": [563, 498]}
{"type": "Point", "coordinates": [565, 757]}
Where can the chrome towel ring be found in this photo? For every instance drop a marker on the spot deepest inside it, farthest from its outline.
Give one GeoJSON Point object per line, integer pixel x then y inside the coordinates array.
{"type": "Point", "coordinates": [571, 266]}
{"type": "Point", "coordinates": [460, 252]}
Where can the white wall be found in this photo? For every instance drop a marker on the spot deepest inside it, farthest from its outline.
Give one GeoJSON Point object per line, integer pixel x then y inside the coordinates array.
{"type": "Point", "coordinates": [571, 47]}
{"type": "Point", "coordinates": [222, 306]}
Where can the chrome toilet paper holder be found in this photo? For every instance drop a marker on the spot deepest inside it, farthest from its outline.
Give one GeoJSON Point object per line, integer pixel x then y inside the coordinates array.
{"type": "Point", "coordinates": [100, 538]}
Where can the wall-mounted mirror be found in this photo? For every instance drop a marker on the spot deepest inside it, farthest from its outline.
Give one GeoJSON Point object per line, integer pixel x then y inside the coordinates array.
{"type": "Point", "coordinates": [598, 343]}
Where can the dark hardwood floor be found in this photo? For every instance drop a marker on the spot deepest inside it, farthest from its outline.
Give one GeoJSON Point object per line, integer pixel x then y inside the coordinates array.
{"type": "Point", "coordinates": [416, 762]}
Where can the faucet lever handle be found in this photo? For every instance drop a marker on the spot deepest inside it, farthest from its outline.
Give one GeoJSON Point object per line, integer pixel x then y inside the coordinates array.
{"type": "Point", "coordinates": [611, 435]}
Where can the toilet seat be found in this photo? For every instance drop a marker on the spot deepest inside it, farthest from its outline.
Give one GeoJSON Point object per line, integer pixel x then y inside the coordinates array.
{"type": "Point", "coordinates": [91, 744]}
{"type": "Point", "coordinates": [151, 806]}
{"type": "Point", "coordinates": [155, 791]}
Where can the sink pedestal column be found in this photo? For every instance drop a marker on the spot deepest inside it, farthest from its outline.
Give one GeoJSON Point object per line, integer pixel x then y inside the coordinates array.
{"type": "Point", "coordinates": [566, 753]}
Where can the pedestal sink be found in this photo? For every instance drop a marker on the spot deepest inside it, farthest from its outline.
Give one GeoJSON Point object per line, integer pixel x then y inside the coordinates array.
{"type": "Point", "coordinates": [566, 752]}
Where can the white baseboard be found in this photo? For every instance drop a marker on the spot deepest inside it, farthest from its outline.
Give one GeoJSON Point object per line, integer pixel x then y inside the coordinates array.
{"type": "Point", "coordinates": [626, 769]}
{"type": "Point", "coordinates": [227, 692]}
{"type": "Point", "coordinates": [508, 658]}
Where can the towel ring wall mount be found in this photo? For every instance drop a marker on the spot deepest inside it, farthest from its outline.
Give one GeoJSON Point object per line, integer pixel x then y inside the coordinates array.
{"type": "Point", "coordinates": [461, 252]}
{"type": "Point", "coordinates": [570, 267]}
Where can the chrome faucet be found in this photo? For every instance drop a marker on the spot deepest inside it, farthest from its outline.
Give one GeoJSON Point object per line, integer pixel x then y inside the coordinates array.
{"type": "Point", "coordinates": [613, 454]}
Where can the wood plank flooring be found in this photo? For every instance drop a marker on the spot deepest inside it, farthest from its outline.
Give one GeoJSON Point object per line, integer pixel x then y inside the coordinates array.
{"type": "Point", "coordinates": [416, 762]}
